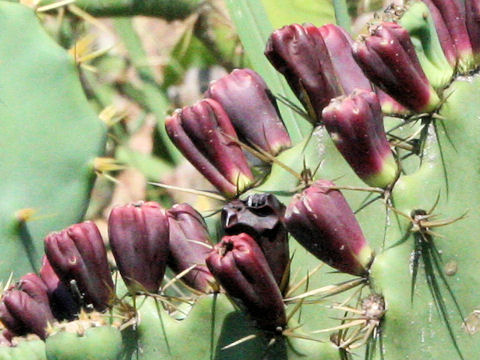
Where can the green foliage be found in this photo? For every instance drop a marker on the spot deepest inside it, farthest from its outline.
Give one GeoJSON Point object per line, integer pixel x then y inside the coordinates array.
{"type": "Point", "coordinates": [285, 12]}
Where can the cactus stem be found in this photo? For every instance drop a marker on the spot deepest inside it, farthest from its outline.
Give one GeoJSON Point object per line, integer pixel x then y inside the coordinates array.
{"type": "Point", "coordinates": [208, 194]}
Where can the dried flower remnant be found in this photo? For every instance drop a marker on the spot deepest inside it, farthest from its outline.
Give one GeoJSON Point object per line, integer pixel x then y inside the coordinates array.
{"type": "Point", "coordinates": [261, 217]}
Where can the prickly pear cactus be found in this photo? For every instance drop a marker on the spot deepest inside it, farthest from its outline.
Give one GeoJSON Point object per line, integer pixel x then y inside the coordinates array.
{"type": "Point", "coordinates": [417, 298]}
{"type": "Point", "coordinates": [48, 171]}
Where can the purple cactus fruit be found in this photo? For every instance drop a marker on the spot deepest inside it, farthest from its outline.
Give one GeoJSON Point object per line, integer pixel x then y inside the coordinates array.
{"type": "Point", "coordinates": [63, 304]}
{"type": "Point", "coordinates": [252, 109]}
{"type": "Point", "coordinates": [138, 236]}
{"type": "Point", "coordinates": [472, 13]}
{"type": "Point", "coordinates": [321, 220]}
{"type": "Point", "coordinates": [261, 217]}
{"type": "Point", "coordinates": [237, 262]}
{"type": "Point", "coordinates": [189, 245]}
{"type": "Point", "coordinates": [355, 124]}
{"type": "Point", "coordinates": [206, 137]}
{"type": "Point", "coordinates": [454, 19]}
{"type": "Point", "coordinates": [77, 254]}
{"type": "Point", "coordinates": [25, 308]}
{"type": "Point", "coordinates": [444, 36]}
{"type": "Point", "coordinates": [339, 45]}
{"type": "Point", "coordinates": [389, 60]}
{"type": "Point", "coordinates": [390, 105]}
{"type": "Point", "coordinates": [300, 54]}
{"type": "Point", "coordinates": [5, 338]}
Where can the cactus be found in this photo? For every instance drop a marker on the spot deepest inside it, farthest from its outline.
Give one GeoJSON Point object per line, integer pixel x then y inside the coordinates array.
{"type": "Point", "coordinates": [416, 299]}
{"type": "Point", "coordinates": [48, 171]}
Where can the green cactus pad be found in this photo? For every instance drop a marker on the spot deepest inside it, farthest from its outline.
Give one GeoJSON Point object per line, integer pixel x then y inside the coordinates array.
{"type": "Point", "coordinates": [97, 343]}
{"type": "Point", "coordinates": [26, 350]}
{"type": "Point", "coordinates": [192, 338]}
{"type": "Point", "coordinates": [49, 139]}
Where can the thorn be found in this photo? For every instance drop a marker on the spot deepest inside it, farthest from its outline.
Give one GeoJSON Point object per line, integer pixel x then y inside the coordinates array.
{"type": "Point", "coordinates": [265, 156]}
{"type": "Point", "coordinates": [178, 277]}
{"type": "Point", "coordinates": [103, 165]}
{"type": "Point", "coordinates": [208, 194]}
{"type": "Point", "coordinates": [341, 327]}
{"type": "Point", "coordinates": [358, 188]}
{"type": "Point", "coordinates": [25, 215]}
{"type": "Point", "coordinates": [305, 279]}
{"type": "Point", "coordinates": [238, 342]}
{"type": "Point", "coordinates": [74, 9]}
{"type": "Point", "coordinates": [329, 290]}
{"type": "Point", "coordinates": [53, 6]}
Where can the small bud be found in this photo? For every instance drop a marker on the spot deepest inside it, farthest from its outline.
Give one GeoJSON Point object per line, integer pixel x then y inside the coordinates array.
{"type": "Point", "coordinates": [252, 109]}
{"type": "Point", "coordinates": [261, 217]}
{"type": "Point", "coordinates": [78, 255]}
{"type": "Point", "coordinates": [472, 12]}
{"type": "Point", "coordinates": [388, 59]}
{"type": "Point", "coordinates": [322, 221]}
{"type": "Point", "coordinates": [237, 262]}
{"type": "Point", "coordinates": [64, 306]}
{"type": "Point", "coordinates": [339, 45]}
{"type": "Point", "coordinates": [188, 231]}
{"type": "Point", "coordinates": [206, 137]}
{"type": "Point", "coordinates": [454, 19]}
{"type": "Point", "coordinates": [300, 54]}
{"type": "Point", "coordinates": [25, 307]}
{"type": "Point", "coordinates": [139, 240]}
{"type": "Point", "coordinates": [355, 124]}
